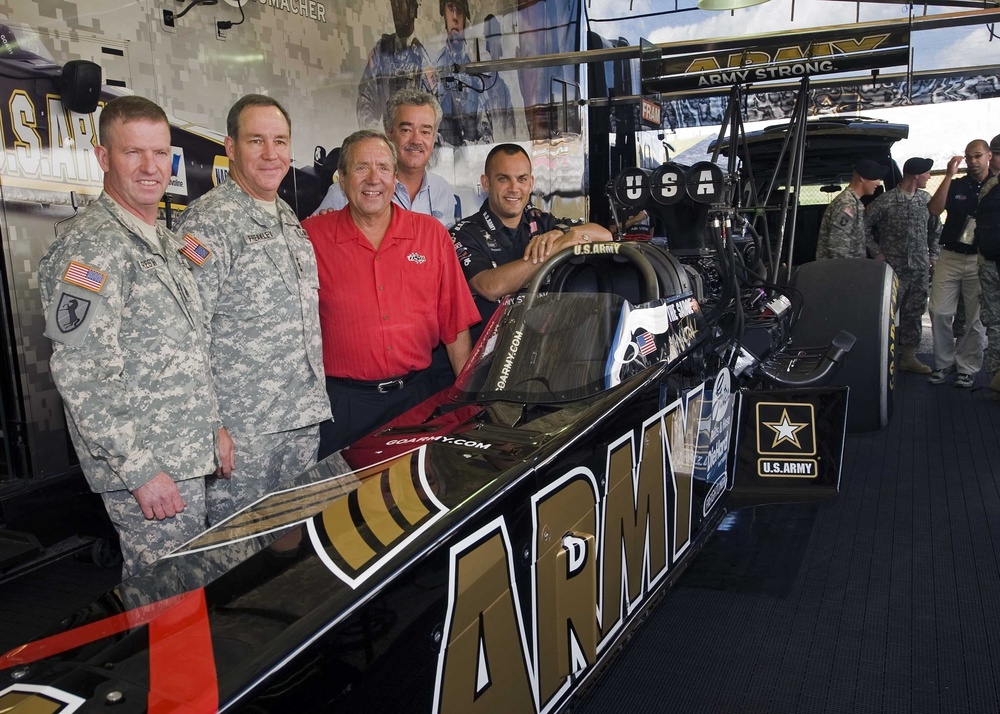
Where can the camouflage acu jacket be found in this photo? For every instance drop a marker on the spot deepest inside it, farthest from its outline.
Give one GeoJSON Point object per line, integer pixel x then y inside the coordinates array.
{"type": "Point", "coordinates": [261, 293]}
{"type": "Point", "coordinates": [842, 231]}
{"type": "Point", "coordinates": [129, 351]}
{"type": "Point", "coordinates": [901, 225]}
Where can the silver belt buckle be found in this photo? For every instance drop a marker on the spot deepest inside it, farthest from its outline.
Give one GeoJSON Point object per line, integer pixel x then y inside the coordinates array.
{"type": "Point", "coordinates": [385, 387]}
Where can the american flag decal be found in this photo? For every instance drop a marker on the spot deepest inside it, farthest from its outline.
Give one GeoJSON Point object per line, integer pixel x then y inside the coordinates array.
{"type": "Point", "coordinates": [647, 345]}
{"type": "Point", "coordinates": [85, 276]}
{"type": "Point", "coordinates": [195, 251]}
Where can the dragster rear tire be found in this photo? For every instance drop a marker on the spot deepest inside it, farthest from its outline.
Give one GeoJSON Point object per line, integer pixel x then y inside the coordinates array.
{"type": "Point", "coordinates": [858, 296]}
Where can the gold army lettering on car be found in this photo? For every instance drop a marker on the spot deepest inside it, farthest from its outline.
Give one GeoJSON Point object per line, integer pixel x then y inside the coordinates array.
{"type": "Point", "coordinates": [595, 557]}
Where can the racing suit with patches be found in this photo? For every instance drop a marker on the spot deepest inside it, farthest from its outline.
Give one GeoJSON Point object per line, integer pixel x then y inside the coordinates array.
{"type": "Point", "coordinates": [901, 221]}
{"type": "Point", "coordinates": [394, 63]}
{"type": "Point", "coordinates": [131, 363]}
{"type": "Point", "coordinates": [842, 232]}
{"type": "Point", "coordinates": [261, 295]}
{"type": "Point", "coordinates": [483, 242]}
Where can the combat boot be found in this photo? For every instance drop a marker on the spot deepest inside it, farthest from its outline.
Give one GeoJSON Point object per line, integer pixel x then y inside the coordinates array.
{"type": "Point", "coordinates": [995, 386]}
{"type": "Point", "coordinates": [908, 362]}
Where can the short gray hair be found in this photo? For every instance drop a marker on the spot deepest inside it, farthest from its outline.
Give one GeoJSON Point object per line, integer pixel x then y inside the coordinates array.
{"type": "Point", "coordinates": [411, 98]}
{"type": "Point", "coordinates": [361, 135]}
{"type": "Point", "coordinates": [247, 101]}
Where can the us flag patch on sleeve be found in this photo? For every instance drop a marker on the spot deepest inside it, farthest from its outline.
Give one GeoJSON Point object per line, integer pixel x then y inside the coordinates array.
{"type": "Point", "coordinates": [85, 276]}
{"type": "Point", "coordinates": [194, 250]}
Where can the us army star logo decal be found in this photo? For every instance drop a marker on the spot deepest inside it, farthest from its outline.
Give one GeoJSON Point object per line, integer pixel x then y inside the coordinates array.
{"type": "Point", "coordinates": [785, 430]}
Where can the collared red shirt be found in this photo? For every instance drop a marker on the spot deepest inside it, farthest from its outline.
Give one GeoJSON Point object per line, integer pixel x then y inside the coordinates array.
{"type": "Point", "coordinates": [434, 198]}
{"type": "Point", "coordinates": [382, 312]}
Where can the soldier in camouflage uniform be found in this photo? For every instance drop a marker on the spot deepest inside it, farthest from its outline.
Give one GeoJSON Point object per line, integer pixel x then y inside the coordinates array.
{"type": "Point", "coordinates": [462, 96]}
{"type": "Point", "coordinates": [499, 106]}
{"type": "Point", "coordinates": [988, 240]}
{"type": "Point", "coordinates": [398, 61]}
{"type": "Point", "coordinates": [842, 232]}
{"type": "Point", "coordinates": [130, 351]}
{"type": "Point", "coordinates": [261, 295]}
{"type": "Point", "coordinates": [900, 219]}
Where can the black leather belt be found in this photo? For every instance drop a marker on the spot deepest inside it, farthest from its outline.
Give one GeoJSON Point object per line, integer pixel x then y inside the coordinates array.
{"type": "Point", "coordinates": [382, 386]}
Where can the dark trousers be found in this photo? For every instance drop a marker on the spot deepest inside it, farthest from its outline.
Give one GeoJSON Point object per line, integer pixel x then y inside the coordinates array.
{"type": "Point", "coordinates": [359, 408]}
{"type": "Point", "coordinates": [440, 369]}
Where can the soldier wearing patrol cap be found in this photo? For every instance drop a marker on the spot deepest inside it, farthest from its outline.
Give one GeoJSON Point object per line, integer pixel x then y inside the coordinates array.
{"type": "Point", "coordinates": [462, 96]}
{"type": "Point", "coordinates": [261, 296]}
{"type": "Point", "coordinates": [129, 346]}
{"type": "Point", "coordinates": [398, 61]}
{"type": "Point", "coordinates": [900, 221]}
{"type": "Point", "coordinates": [842, 232]}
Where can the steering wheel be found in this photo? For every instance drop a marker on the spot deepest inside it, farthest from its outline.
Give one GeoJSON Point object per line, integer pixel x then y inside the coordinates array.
{"type": "Point", "coordinates": [650, 284]}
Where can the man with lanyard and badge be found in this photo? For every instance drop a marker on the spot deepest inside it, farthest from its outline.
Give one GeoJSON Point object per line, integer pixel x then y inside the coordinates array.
{"type": "Point", "coordinates": [957, 270]}
{"type": "Point", "coordinates": [129, 348]}
{"type": "Point", "coordinates": [503, 245]}
{"type": "Point", "coordinates": [261, 294]}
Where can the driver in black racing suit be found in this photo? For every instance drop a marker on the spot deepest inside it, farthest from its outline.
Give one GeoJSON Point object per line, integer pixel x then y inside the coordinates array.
{"type": "Point", "coordinates": [503, 245]}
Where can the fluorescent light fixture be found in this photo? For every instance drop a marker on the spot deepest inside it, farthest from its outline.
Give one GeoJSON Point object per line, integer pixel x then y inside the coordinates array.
{"type": "Point", "coordinates": [727, 4]}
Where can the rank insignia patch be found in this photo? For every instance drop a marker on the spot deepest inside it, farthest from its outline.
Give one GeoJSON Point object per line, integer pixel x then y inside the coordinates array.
{"type": "Point", "coordinates": [71, 312]}
{"type": "Point", "coordinates": [194, 251]}
{"type": "Point", "coordinates": [85, 276]}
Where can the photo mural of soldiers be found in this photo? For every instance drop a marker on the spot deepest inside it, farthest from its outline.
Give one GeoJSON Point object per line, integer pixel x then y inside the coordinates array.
{"type": "Point", "coordinates": [498, 103]}
{"type": "Point", "coordinates": [462, 96]}
{"type": "Point", "coordinates": [546, 27]}
{"type": "Point", "coordinates": [398, 61]}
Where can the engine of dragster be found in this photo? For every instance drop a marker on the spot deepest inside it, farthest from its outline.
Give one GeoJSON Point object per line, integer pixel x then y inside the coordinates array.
{"type": "Point", "coordinates": [701, 248]}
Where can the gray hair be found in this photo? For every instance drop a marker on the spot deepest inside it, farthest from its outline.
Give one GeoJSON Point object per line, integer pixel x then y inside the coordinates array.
{"type": "Point", "coordinates": [247, 101]}
{"type": "Point", "coordinates": [411, 98]}
{"type": "Point", "coordinates": [361, 135]}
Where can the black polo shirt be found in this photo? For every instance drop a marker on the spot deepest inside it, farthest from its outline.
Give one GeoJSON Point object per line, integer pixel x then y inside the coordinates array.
{"type": "Point", "coordinates": [963, 197]}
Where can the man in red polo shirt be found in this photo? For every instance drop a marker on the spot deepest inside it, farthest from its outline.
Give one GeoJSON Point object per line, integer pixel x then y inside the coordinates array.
{"type": "Point", "coordinates": [391, 289]}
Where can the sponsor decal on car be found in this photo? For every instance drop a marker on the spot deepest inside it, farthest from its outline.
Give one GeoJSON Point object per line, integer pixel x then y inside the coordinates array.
{"type": "Point", "coordinates": [786, 439]}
